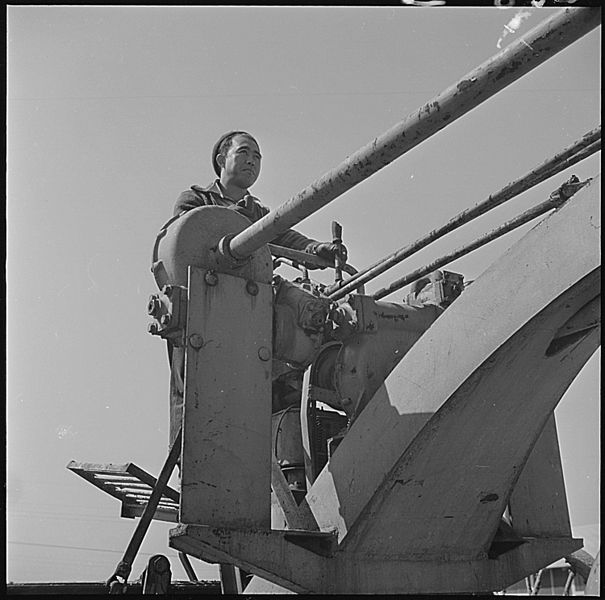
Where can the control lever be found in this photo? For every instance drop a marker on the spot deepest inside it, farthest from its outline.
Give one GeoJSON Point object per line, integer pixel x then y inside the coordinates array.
{"type": "Point", "coordinates": [337, 239]}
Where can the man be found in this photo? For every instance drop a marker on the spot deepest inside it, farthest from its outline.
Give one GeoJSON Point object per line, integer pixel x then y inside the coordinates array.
{"type": "Point", "coordinates": [236, 160]}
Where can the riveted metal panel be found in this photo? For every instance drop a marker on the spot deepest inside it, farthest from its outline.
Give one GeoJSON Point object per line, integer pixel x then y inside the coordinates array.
{"type": "Point", "coordinates": [226, 456]}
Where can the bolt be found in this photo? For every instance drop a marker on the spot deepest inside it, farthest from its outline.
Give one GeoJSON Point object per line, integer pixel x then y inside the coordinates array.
{"type": "Point", "coordinates": [264, 353]}
{"type": "Point", "coordinates": [196, 341]}
{"type": "Point", "coordinates": [165, 319]}
{"type": "Point", "coordinates": [167, 289]}
{"type": "Point", "coordinates": [210, 277]}
{"type": "Point", "coordinates": [153, 328]}
{"type": "Point", "coordinates": [154, 305]}
{"type": "Point", "coordinates": [252, 288]}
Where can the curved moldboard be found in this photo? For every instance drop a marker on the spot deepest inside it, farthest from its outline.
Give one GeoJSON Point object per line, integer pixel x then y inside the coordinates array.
{"type": "Point", "coordinates": [545, 264]}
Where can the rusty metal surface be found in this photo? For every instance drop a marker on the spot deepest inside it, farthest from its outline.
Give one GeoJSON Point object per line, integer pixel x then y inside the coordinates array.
{"type": "Point", "coordinates": [131, 485]}
{"type": "Point", "coordinates": [518, 59]}
{"type": "Point", "coordinates": [579, 150]}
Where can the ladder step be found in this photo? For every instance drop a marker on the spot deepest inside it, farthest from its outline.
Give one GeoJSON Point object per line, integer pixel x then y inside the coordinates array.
{"type": "Point", "coordinates": [131, 485]}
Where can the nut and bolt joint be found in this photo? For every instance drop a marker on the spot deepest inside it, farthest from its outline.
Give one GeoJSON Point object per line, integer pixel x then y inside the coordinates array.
{"type": "Point", "coordinates": [210, 277]}
{"type": "Point", "coordinates": [154, 305]}
{"type": "Point", "coordinates": [165, 319]}
{"type": "Point", "coordinates": [153, 328]}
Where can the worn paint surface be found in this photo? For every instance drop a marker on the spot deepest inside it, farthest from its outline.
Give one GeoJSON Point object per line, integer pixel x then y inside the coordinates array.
{"type": "Point", "coordinates": [226, 469]}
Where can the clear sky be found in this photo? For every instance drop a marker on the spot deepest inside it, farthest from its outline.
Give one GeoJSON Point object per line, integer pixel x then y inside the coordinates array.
{"type": "Point", "coordinates": [112, 112]}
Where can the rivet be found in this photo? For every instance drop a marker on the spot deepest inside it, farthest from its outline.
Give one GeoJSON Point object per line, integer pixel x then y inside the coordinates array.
{"type": "Point", "coordinates": [264, 353]}
{"type": "Point", "coordinates": [252, 288]}
{"type": "Point", "coordinates": [196, 341]}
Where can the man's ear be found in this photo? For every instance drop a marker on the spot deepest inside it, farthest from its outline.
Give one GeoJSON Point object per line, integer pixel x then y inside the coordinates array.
{"type": "Point", "coordinates": [220, 160]}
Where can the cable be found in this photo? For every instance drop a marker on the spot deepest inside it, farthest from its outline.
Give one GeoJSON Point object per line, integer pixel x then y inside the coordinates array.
{"type": "Point", "coordinates": [67, 547]}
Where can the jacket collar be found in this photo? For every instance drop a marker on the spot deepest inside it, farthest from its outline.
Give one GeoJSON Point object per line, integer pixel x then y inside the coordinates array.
{"type": "Point", "coordinates": [215, 188]}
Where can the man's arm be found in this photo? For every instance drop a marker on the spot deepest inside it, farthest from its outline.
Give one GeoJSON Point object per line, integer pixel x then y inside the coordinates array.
{"type": "Point", "coordinates": [297, 241]}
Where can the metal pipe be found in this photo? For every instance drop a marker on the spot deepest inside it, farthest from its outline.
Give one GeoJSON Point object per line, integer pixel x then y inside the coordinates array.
{"type": "Point", "coordinates": [125, 565]}
{"type": "Point", "coordinates": [553, 202]}
{"type": "Point", "coordinates": [520, 57]}
{"type": "Point", "coordinates": [187, 566]}
{"type": "Point", "coordinates": [579, 150]}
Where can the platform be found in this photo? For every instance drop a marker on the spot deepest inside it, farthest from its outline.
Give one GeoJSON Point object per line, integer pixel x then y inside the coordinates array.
{"type": "Point", "coordinates": [131, 485]}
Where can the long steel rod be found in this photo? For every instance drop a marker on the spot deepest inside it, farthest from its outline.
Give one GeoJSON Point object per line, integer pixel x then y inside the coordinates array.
{"type": "Point", "coordinates": [520, 57]}
{"type": "Point", "coordinates": [125, 565]}
{"type": "Point", "coordinates": [187, 566]}
{"type": "Point", "coordinates": [553, 202]}
{"type": "Point", "coordinates": [579, 150]}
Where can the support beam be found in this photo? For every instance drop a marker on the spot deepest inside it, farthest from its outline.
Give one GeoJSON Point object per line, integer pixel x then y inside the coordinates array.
{"type": "Point", "coordinates": [225, 464]}
{"type": "Point", "coordinates": [280, 561]}
{"type": "Point", "coordinates": [538, 504]}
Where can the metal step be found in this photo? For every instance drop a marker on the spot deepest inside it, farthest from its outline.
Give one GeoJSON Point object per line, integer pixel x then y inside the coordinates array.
{"type": "Point", "coordinates": [131, 485]}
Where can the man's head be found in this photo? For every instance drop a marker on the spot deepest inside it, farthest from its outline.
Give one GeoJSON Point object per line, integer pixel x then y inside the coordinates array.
{"type": "Point", "coordinates": [236, 159]}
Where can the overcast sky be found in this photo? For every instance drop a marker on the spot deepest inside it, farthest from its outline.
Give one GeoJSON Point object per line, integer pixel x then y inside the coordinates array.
{"type": "Point", "coordinates": [112, 112]}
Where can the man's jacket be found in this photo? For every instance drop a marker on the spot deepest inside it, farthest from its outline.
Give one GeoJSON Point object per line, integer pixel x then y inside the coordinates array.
{"type": "Point", "coordinates": [249, 206]}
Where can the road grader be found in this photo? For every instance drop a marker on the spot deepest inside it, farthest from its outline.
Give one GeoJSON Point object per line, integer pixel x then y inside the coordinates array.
{"type": "Point", "coordinates": [329, 441]}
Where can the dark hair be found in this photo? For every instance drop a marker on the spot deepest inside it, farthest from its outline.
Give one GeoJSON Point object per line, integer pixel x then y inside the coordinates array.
{"type": "Point", "coordinates": [222, 146]}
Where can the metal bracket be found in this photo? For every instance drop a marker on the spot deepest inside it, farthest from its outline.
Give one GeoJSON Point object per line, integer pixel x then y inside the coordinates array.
{"type": "Point", "coordinates": [364, 307]}
{"type": "Point", "coordinates": [169, 311]}
{"type": "Point", "coordinates": [157, 575]}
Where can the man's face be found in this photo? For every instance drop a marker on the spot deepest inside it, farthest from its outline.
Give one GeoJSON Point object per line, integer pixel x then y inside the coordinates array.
{"type": "Point", "coordinates": [241, 164]}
